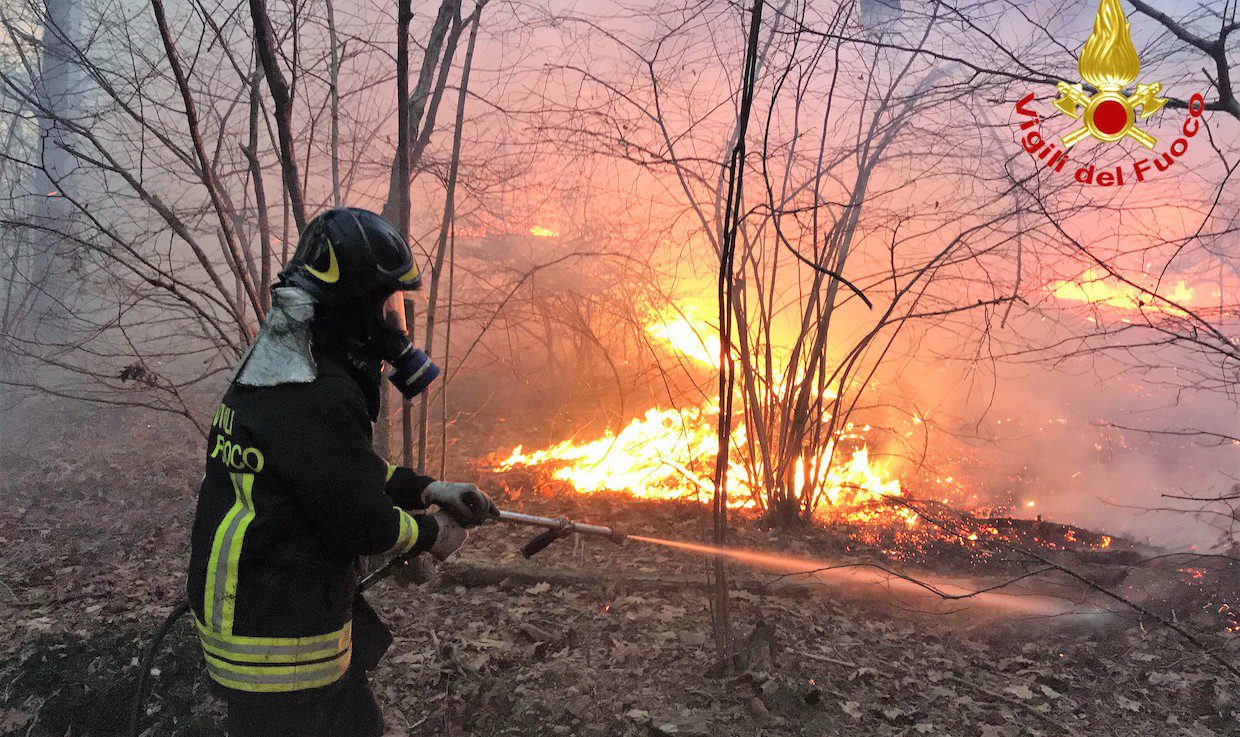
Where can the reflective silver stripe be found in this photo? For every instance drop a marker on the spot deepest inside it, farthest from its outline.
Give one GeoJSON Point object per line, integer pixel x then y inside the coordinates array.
{"type": "Point", "coordinates": [418, 373]}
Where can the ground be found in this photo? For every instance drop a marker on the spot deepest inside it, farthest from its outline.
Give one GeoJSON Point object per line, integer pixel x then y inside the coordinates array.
{"type": "Point", "coordinates": [583, 640]}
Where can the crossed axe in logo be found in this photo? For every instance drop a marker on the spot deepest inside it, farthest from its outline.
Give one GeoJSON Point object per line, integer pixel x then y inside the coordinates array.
{"type": "Point", "coordinates": [1110, 114]}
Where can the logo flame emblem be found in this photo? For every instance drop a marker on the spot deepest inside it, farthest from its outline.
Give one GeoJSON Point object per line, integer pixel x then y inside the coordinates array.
{"type": "Point", "coordinates": [1109, 62]}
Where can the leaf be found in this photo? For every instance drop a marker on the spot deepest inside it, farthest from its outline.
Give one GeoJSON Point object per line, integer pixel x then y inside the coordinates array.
{"type": "Point", "coordinates": [1049, 692]}
{"type": "Point", "coordinates": [1157, 678]}
{"type": "Point", "coordinates": [851, 708]}
{"type": "Point", "coordinates": [411, 658]}
{"type": "Point", "coordinates": [541, 587]}
{"type": "Point", "coordinates": [1128, 704]}
{"type": "Point", "coordinates": [637, 714]}
{"type": "Point", "coordinates": [41, 624]}
{"type": "Point", "coordinates": [1020, 691]}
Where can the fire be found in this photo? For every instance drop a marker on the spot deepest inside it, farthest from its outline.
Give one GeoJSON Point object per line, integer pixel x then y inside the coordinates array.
{"type": "Point", "coordinates": [682, 335]}
{"type": "Point", "coordinates": [1096, 287]}
{"type": "Point", "coordinates": [539, 231]}
{"type": "Point", "coordinates": [670, 453]}
{"type": "Point", "coordinates": [666, 454]}
{"type": "Point", "coordinates": [682, 331]}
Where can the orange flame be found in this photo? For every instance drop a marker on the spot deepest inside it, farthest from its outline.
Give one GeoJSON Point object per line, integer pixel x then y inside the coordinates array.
{"type": "Point", "coordinates": [1097, 287]}
{"type": "Point", "coordinates": [670, 453]}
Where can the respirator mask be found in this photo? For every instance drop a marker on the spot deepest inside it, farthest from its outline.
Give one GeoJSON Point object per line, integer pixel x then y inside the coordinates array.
{"type": "Point", "coordinates": [412, 371]}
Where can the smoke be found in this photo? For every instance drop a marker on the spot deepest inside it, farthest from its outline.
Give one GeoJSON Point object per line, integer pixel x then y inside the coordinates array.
{"type": "Point", "coordinates": [1068, 445]}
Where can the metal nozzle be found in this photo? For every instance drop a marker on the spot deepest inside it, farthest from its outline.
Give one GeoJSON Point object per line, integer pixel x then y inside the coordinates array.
{"type": "Point", "coordinates": [556, 528]}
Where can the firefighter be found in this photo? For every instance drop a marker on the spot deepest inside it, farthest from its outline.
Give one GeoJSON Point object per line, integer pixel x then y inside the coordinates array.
{"type": "Point", "coordinates": [293, 494]}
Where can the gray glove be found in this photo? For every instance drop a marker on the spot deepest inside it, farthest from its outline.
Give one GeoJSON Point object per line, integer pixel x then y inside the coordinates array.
{"type": "Point", "coordinates": [465, 502]}
{"type": "Point", "coordinates": [450, 538]}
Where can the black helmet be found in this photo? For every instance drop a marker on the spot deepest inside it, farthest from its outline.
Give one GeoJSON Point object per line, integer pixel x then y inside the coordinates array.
{"type": "Point", "coordinates": [346, 254]}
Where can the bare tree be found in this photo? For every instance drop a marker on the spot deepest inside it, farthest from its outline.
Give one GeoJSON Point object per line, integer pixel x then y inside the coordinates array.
{"type": "Point", "coordinates": [159, 170]}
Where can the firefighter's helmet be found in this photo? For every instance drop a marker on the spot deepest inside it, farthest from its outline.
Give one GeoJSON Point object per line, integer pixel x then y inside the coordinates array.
{"type": "Point", "coordinates": [348, 254]}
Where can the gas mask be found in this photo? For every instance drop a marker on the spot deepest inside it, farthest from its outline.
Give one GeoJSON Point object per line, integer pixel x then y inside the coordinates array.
{"type": "Point", "coordinates": [412, 371]}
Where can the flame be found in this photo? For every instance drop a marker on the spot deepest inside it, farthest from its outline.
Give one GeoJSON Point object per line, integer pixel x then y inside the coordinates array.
{"type": "Point", "coordinates": [1096, 287]}
{"type": "Point", "coordinates": [683, 335]}
{"type": "Point", "coordinates": [670, 453]}
{"type": "Point", "coordinates": [1109, 60]}
{"type": "Point", "coordinates": [684, 332]}
{"type": "Point", "coordinates": [666, 454]}
{"type": "Point", "coordinates": [539, 231]}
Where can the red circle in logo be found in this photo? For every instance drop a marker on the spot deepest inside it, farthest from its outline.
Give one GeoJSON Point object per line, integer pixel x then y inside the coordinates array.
{"type": "Point", "coordinates": [1110, 117]}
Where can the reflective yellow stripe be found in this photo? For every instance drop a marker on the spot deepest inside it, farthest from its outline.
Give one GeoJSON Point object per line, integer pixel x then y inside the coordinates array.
{"type": "Point", "coordinates": [220, 594]}
{"type": "Point", "coordinates": [410, 275]}
{"type": "Point", "coordinates": [267, 664]}
{"type": "Point", "coordinates": [332, 275]}
{"type": "Point", "coordinates": [408, 536]}
{"type": "Point", "coordinates": [271, 687]}
{"type": "Point", "coordinates": [277, 678]}
{"type": "Point", "coordinates": [275, 649]}
{"type": "Point", "coordinates": [391, 470]}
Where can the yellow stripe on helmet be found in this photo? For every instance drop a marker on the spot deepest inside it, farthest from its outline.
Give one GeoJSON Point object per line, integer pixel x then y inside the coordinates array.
{"type": "Point", "coordinates": [412, 275]}
{"type": "Point", "coordinates": [332, 275]}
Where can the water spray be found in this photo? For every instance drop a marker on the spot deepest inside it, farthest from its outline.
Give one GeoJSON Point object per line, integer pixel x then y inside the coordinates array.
{"type": "Point", "coordinates": [819, 571]}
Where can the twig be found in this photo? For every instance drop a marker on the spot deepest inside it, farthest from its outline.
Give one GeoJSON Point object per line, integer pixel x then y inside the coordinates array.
{"type": "Point", "coordinates": [13, 594]}
{"type": "Point", "coordinates": [824, 658]}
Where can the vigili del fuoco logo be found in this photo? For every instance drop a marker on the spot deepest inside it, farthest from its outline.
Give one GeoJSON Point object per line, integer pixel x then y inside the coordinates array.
{"type": "Point", "coordinates": [1109, 63]}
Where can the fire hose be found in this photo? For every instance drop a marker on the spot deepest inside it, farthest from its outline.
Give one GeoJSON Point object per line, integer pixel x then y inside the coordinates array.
{"type": "Point", "coordinates": [553, 528]}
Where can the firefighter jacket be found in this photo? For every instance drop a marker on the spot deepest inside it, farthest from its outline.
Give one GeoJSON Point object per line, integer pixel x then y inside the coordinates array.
{"type": "Point", "coordinates": [292, 495]}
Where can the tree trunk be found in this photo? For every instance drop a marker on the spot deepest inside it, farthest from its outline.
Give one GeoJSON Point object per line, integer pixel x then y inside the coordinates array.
{"type": "Point", "coordinates": [335, 101]}
{"type": "Point", "coordinates": [265, 48]}
{"type": "Point", "coordinates": [449, 217]}
{"type": "Point", "coordinates": [40, 302]}
{"type": "Point", "coordinates": [732, 221]}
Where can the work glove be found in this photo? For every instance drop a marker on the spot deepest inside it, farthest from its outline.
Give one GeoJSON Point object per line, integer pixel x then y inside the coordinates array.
{"type": "Point", "coordinates": [450, 538]}
{"type": "Point", "coordinates": [466, 503]}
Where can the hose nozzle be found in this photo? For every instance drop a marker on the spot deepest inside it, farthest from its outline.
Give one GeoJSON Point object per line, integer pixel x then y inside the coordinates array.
{"type": "Point", "coordinates": [556, 528]}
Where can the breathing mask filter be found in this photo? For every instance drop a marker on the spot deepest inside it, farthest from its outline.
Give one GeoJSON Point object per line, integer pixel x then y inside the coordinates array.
{"type": "Point", "coordinates": [412, 370]}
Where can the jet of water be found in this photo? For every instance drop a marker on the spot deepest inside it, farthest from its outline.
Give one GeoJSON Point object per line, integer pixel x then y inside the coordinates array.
{"type": "Point", "coordinates": [923, 585]}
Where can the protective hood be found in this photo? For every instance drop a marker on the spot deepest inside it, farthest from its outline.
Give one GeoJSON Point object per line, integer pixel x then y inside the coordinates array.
{"type": "Point", "coordinates": [281, 352]}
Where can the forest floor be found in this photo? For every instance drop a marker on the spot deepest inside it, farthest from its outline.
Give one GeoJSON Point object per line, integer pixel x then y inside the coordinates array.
{"type": "Point", "coordinates": [588, 639]}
